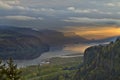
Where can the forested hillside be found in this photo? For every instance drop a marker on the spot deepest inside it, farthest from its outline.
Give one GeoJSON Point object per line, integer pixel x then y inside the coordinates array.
{"type": "Point", "coordinates": [17, 45]}
{"type": "Point", "coordinates": [101, 63]}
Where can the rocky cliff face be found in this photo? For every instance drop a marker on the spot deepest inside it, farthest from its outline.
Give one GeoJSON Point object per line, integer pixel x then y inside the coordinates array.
{"type": "Point", "coordinates": [101, 63]}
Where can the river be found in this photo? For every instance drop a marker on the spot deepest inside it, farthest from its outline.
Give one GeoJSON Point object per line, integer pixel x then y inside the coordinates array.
{"type": "Point", "coordinates": [68, 50]}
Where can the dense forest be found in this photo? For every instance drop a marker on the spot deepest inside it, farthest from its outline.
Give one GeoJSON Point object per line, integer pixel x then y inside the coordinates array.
{"type": "Point", "coordinates": [101, 63]}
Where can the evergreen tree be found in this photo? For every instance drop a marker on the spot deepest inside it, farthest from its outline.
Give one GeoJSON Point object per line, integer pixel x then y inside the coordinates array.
{"type": "Point", "coordinates": [9, 71]}
{"type": "Point", "coordinates": [2, 71]}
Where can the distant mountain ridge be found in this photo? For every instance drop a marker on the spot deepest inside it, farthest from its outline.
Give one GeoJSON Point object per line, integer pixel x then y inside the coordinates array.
{"type": "Point", "coordinates": [26, 43]}
{"type": "Point", "coordinates": [20, 46]}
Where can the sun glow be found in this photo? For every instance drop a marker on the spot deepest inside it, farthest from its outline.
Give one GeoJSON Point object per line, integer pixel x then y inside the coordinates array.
{"type": "Point", "coordinates": [97, 32]}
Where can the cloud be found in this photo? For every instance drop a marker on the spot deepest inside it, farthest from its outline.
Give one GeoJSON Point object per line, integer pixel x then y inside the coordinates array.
{"type": "Point", "coordinates": [113, 4]}
{"type": "Point", "coordinates": [110, 4]}
{"type": "Point", "coordinates": [19, 17]}
{"type": "Point", "coordinates": [51, 12]}
{"type": "Point", "coordinates": [11, 2]}
{"type": "Point", "coordinates": [50, 3]}
{"type": "Point", "coordinates": [40, 18]}
{"type": "Point", "coordinates": [73, 9]}
{"type": "Point", "coordinates": [10, 5]}
{"type": "Point", "coordinates": [90, 20]}
{"type": "Point", "coordinates": [4, 5]}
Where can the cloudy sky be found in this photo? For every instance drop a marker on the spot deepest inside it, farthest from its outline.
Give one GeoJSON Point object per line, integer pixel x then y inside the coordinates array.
{"type": "Point", "coordinates": [92, 15]}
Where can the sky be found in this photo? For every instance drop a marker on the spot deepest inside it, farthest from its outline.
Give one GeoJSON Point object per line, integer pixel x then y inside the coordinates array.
{"type": "Point", "coordinates": [87, 18]}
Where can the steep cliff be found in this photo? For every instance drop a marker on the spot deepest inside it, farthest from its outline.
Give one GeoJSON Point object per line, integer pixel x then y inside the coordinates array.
{"type": "Point", "coordinates": [101, 63]}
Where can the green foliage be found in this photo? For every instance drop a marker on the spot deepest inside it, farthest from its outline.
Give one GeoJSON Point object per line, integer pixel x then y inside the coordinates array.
{"type": "Point", "coordinates": [58, 69]}
{"type": "Point", "coordinates": [2, 71]}
{"type": "Point", "coordinates": [9, 71]}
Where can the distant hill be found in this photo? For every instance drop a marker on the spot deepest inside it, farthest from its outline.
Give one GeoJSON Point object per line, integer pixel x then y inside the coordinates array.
{"type": "Point", "coordinates": [104, 40]}
{"type": "Point", "coordinates": [20, 46]}
{"type": "Point", "coordinates": [26, 43]}
{"type": "Point", "coordinates": [101, 63]}
{"type": "Point", "coordinates": [53, 37]}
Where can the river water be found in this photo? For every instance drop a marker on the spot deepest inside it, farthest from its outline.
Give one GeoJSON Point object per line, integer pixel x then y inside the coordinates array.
{"type": "Point", "coordinates": [68, 50]}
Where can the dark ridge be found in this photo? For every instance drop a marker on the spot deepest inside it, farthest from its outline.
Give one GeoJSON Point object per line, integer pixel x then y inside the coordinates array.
{"type": "Point", "coordinates": [101, 63]}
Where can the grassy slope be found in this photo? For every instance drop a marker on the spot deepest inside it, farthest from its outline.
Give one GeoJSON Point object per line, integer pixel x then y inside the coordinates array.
{"type": "Point", "coordinates": [57, 69]}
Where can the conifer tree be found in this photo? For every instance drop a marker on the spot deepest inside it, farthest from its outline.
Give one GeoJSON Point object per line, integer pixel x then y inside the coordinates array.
{"type": "Point", "coordinates": [9, 71]}
{"type": "Point", "coordinates": [2, 71]}
{"type": "Point", "coordinates": [12, 71]}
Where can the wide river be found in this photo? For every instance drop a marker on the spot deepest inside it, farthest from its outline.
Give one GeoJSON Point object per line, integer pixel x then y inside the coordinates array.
{"type": "Point", "coordinates": [68, 50]}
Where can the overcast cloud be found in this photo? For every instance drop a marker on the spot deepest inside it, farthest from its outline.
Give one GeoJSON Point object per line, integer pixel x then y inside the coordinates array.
{"type": "Point", "coordinates": [59, 13]}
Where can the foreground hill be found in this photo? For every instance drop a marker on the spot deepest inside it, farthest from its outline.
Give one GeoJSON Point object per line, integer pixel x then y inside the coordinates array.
{"type": "Point", "coordinates": [101, 63]}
